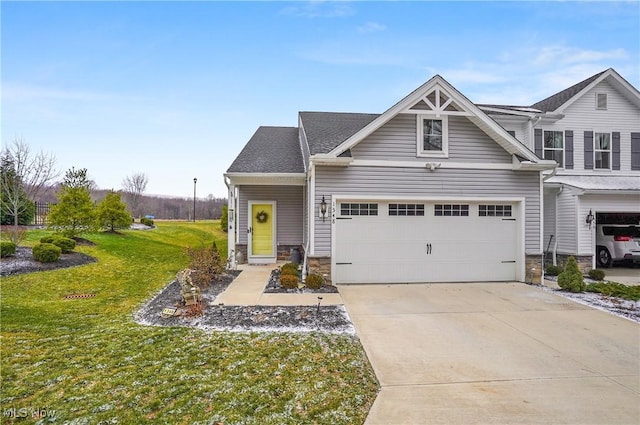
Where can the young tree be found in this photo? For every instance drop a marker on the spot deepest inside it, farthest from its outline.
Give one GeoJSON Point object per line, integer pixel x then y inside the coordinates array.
{"type": "Point", "coordinates": [224, 219]}
{"type": "Point", "coordinates": [112, 213]}
{"type": "Point", "coordinates": [24, 176]}
{"type": "Point", "coordinates": [75, 213]}
{"type": "Point", "coordinates": [134, 186]}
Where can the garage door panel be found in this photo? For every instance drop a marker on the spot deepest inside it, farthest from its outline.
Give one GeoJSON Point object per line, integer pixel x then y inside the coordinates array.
{"type": "Point", "coordinates": [383, 249]}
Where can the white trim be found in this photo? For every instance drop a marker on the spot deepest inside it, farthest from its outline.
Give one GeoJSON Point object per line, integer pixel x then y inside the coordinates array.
{"type": "Point", "coordinates": [515, 165]}
{"type": "Point", "coordinates": [272, 179]}
{"type": "Point", "coordinates": [563, 149]}
{"type": "Point", "coordinates": [610, 150]}
{"type": "Point", "coordinates": [442, 85]}
{"type": "Point", "coordinates": [431, 198]}
{"type": "Point", "coordinates": [310, 210]}
{"type": "Point", "coordinates": [420, 151]}
{"type": "Point", "coordinates": [259, 259]}
{"type": "Point", "coordinates": [606, 101]}
{"type": "Point", "coordinates": [634, 94]}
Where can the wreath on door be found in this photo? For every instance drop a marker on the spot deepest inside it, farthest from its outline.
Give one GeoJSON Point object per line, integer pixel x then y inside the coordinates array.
{"type": "Point", "coordinates": [262, 216]}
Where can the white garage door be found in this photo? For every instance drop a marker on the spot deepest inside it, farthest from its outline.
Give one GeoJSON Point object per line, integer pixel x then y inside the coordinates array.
{"type": "Point", "coordinates": [387, 242]}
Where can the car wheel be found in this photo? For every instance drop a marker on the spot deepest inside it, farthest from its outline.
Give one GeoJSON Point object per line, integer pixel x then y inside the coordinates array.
{"type": "Point", "coordinates": [604, 257]}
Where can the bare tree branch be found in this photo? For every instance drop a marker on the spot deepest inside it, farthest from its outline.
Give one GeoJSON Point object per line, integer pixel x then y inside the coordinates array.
{"type": "Point", "coordinates": [134, 186]}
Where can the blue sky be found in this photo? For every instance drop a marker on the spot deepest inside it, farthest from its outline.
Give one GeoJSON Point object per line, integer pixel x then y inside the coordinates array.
{"type": "Point", "coordinates": [175, 89]}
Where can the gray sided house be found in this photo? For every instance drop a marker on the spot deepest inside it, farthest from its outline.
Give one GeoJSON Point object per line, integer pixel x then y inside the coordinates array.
{"type": "Point", "coordinates": [592, 130]}
{"type": "Point", "coordinates": [431, 190]}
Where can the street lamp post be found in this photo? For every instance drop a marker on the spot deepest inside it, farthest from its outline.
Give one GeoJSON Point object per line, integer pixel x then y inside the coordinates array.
{"type": "Point", "coordinates": [195, 180]}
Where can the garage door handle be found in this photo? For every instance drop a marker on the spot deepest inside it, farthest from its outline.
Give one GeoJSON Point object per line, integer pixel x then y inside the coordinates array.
{"type": "Point", "coordinates": [429, 249]}
{"type": "Point", "coordinates": [504, 262]}
{"type": "Point", "coordinates": [508, 219]}
{"type": "Point", "coordinates": [343, 264]}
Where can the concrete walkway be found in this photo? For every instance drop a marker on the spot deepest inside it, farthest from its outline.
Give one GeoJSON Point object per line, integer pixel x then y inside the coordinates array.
{"type": "Point", "coordinates": [248, 289]}
{"type": "Point", "coordinates": [494, 353]}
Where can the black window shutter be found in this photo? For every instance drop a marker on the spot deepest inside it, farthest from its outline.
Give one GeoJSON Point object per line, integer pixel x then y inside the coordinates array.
{"type": "Point", "coordinates": [615, 150]}
{"type": "Point", "coordinates": [568, 149]}
{"type": "Point", "coordinates": [537, 142]}
{"type": "Point", "coordinates": [635, 151]}
{"type": "Point", "coordinates": [588, 150]}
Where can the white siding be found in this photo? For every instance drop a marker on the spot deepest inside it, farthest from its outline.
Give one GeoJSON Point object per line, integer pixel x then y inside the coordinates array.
{"type": "Point", "coordinates": [395, 181]}
{"type": "Point", "coordinates": [289, 213]}
{"type": "Point", "coordinates": [397, 140]}
{"type": "Point", "coordinates": [600, 203]}
{"type": "Point", "coordinates": [566, 222]}
{"type": "Point", "coordinates": [621, 115]}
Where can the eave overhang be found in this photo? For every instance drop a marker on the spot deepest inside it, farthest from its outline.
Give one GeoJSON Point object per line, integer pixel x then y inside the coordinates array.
{"type": "Point", "coordinates": [267, 179]}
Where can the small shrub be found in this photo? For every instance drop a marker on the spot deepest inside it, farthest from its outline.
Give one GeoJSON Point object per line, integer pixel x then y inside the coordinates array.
{"type": "Point", "coordinates": [206, 265]}
{"type": "Point", "coordinates": [289, 272]}
{"type": "Point", "coordinates": [46, 252]}
{"type": "Point", "coordinates": [146, 221]}
{"type": "Point", "coordinates": [289, 266]}
{"type": "Point", "coordinates": [553, 270]}
{"type": "Point", "coordinates": [314, 281]}
{"type": "Point", "coordinates": [596, 274]}
{"type": "Point", "coordinates": [194, 310]}
{"type": "Point", "coordinates": [288, 281]}
{"type": "Point", "coordinates": [614, 289]}
{"type": "Point", "coordinates": [571, 278]}
{"type": "Point", "coordinates": [66, 244]}
{"type": "Point", "coordinates": [7, 248]}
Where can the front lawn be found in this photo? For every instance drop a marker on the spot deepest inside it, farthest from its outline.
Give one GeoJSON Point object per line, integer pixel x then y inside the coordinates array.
{"type": "Point", "coordinates": [87, 361]}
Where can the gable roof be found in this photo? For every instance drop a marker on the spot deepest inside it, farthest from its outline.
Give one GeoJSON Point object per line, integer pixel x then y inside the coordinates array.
{"type": "Point", "coordinates": [561, 100]}
{"type": "Point", "coordinates": [270, 150]}
{"type": "Point", "coordinates": [473, 113]}
{"type": "Point", "coordinates": [326, 130]}
{"type": "Point", "coordinates": [555, 101]}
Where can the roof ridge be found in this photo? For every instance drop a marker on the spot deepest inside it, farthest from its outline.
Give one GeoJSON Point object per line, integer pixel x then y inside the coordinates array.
{"type": "Point", "coordinates": [553, 102]}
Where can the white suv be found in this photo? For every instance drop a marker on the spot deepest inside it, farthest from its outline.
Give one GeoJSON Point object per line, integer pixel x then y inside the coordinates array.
{"type": "Point", "coordinates": [617, 242]}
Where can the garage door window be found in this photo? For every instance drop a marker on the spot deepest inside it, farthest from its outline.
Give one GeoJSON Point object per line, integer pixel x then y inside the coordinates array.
{"type": "Point", "coordinates": [358, 209]}
{"type": "Point", "coordinates": [494, 210]}
{"type": "Point", "coordinates": [406, 210]}
{"type": "Point", "coordinates": [451, 210]}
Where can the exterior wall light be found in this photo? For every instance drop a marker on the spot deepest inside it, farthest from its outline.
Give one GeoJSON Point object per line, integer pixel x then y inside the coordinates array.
{"type": "Point", "coordinates": [590, 218]}
{"type": "Point", "coordinates": [323, 208]}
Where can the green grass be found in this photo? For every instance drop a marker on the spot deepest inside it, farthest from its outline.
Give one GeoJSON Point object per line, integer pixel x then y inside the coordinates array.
{"type": "Point", "coordinates": [614, 289]}
{"type": "Point", "coordinates": [89, 362]}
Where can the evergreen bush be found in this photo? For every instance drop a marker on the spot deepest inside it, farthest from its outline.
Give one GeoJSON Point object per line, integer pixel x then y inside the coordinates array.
{"type": "Point", "coordinates": [314, 281]}
{"type": "Point", "coordinates": [571, 278]}
{"type": "Point", "coordinates": [553, 270]}
{"type": "Point", "coordinates": [289, 281]}
{"type": "Point", "coordinates": [66, 244]}
{"type": "Point", "coordinates": [596, 274]}
{"type": "Point", "coordinates": [46, 252]}
{"type": "Point", "coordinates": [7, 248]}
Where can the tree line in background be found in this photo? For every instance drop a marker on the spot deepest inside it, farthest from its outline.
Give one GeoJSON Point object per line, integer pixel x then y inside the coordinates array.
{"type": "Point", "coordinates": [27, 178]}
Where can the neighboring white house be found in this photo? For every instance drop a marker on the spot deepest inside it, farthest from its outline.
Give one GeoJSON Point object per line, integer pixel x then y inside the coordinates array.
{"type": "Point", "coordinates": [592, 130]}
{"type": "Point", "coordinates": [432, 190]}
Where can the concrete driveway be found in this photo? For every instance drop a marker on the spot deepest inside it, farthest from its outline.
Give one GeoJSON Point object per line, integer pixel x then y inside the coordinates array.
{"type": "Point", "coordinates": [494, 353]}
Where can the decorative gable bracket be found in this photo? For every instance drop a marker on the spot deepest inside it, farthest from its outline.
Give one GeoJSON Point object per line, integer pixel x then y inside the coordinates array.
{"type": "Point", "coordinates": [437, 102]}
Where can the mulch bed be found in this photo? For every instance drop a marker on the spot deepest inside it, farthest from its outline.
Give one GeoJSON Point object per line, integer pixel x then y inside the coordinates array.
{"type": "Point", "coordinates": [274, 287]}
{"type": "Point", "coordinates": [23, 262]}
{"type": "Point", "coordinates": [321, 318]}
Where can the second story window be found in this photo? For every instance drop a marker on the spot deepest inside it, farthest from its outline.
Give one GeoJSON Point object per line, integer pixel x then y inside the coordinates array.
{"type": "Point", "coordinates": [432, 136]}
{"type": "Point", "coordinates": [554, 146]}
{"type": "Point", "coordinates": [602, 151]}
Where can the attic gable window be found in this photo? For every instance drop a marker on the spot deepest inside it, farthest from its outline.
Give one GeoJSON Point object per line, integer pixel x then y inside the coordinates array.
{"type": "Point", "coordinates": [601, 101]}
{"type": "Point", "coordinates": [432, 135]}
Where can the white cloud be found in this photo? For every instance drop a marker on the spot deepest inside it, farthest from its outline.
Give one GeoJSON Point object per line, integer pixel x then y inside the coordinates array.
{"type": "Point", "coordinates": [320, 9]}
{"type": "Point", "coordinates": [370, 27]}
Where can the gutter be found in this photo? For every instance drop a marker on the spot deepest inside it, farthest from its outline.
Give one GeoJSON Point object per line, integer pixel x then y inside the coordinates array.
{"type": "Point", "coordinates": [323, 159]}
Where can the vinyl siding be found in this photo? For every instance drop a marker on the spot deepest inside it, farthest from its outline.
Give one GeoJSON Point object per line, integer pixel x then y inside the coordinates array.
{"type": "Point", "coordinates": [394, 181]}
{"type": "Point", "coordinates": [566, 205]}
{"type": "Point", "coordinates": [600, 203]}
{"type": "Point", "coordinates": [396, 140]}
{"type": "Point", "coordinates": [620, 116]}
{"type": "Point", "coordinates": [289, 214]}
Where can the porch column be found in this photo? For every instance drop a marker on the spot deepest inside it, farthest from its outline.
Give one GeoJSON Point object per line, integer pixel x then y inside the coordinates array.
{"type": "Point", "coordinates": [231, 227]}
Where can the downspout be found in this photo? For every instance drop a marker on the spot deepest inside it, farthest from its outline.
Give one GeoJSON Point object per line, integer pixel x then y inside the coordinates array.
{"type": "Point", "coordinates": [310, 217]}
{"type": "Point", "coordinates": [555, 243]}
{"type": "Point", "coordinates": [231, 252]}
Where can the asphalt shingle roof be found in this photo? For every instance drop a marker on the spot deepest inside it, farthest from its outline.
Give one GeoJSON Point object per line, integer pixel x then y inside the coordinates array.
{"type": "Point", "coordinates": [553, 102]}
{"type": "Point", "coordinates": [326, 130]}
{"type": "Point", "coordinates": [270, 150]}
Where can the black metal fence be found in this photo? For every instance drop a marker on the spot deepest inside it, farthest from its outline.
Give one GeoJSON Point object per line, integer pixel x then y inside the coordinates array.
{"type": "Point", "coordinates": [42, 211]}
